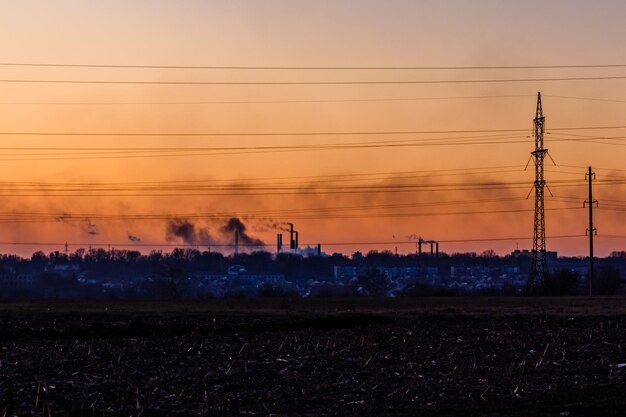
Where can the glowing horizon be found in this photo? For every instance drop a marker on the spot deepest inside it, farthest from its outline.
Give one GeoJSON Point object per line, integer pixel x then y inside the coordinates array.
{"type": "Point", "coordinates": [297, 33]}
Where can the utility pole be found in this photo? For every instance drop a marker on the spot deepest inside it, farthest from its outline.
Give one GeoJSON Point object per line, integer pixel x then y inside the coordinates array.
{"type": "Point", "coordinates": [279, 243]}
{"type": "Point", "coordinates": [539, 275]}
{"type": "Point", "coordinates": [590, 176]}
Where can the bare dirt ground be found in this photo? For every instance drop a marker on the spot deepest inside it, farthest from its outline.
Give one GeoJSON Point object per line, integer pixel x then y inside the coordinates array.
{"type": "Point", "coordinates": [366, 357]}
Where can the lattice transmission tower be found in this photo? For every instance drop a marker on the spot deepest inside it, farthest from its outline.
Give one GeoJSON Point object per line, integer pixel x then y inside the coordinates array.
{"type": "Point", "coordinates": [539, 278]}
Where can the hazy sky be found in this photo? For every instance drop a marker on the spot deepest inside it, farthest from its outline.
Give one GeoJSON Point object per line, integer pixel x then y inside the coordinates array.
{"type": "Point", "coordinates": [314, 33]}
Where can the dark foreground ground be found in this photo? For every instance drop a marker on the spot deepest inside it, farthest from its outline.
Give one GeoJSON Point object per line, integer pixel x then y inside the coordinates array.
{"type": "Point", "coordinates": [423, 356]}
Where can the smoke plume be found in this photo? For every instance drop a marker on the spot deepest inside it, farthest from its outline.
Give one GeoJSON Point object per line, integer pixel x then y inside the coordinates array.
{"type": "Point", "coordinates": [179, 228]}
{"type": "Point", "coordinates": [233, 225]}
{"type": "Point", "coordinates": [91, 228]}
{"type": "Point", "coordinates": [133, 239]}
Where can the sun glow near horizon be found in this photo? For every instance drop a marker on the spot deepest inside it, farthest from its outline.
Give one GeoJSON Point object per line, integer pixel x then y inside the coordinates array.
{"type": "Point", "coordinates": [368, 186]}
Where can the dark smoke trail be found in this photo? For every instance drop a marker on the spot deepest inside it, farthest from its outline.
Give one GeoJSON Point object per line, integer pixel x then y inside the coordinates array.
{"type": "Point", "coordinates": [267, 225]}
{"type": "Point", "coordinates": [233, 225]}
{"type": "Point", "coordinates": [133, 238]}
{"type": "Point", "coordinates": [91, 228]}
{"type": "Point", "coordinates": [178, 228]}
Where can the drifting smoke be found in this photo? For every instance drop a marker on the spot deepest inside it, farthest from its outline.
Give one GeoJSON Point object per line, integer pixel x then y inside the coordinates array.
{"type": "Point", "coordinates": [268, 225]}
{"type": "Point", "coordinates": [91, 228]}
{"type": "Point", "coordinates": [235, 225]}
{"type": "Point", "coordinates": [133, 239]}
{"type": "Point", "coordinates": [63, 217]}
{"type": "Point", "coordinates": [179, 228]}
{"type": "Point", "coordinates": [282, 226]}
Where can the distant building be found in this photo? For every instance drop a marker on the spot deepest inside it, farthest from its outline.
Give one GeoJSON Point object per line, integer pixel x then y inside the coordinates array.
{"type": "Point", "coordinates": [550, 255]}
{"type": "Point", "coordinates": [66, 270]}
{"type": "Point", "coordinates": [478, 271]}
{"type": "Point", "coordinates": [357, 256]}
{"type": "Point", "coordinates": [239, 274]}
{"type": "Point", "coordinates": [343, 273]}
{"type": "Point", "coordinates": [16, 281]}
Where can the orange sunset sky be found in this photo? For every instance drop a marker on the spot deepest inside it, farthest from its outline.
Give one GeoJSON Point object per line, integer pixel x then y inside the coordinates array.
{"type": "Point", "coordinates": [464, 185]}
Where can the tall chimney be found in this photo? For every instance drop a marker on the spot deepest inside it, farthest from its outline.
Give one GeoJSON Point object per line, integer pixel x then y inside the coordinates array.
{"type": "Point", "coordinates": [437, 243]}
{"type": "Point", "coordinates": [295, 244]}
{"type": "Point", "coordinates": [431, 247]}
{"type": "Point", "coordinates": [419, 246]}
{"type": "Point", "coordinates": [319, 249]}
{"type": "Point", "coordinates": [279, 243]}
{"type": "Point", "coordinates": [236, 242]}
{"type": "Point", "coordinates": [291, 242]}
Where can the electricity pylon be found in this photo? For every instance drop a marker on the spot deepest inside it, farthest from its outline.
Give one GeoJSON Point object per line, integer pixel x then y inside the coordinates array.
{"type": "Point", "coordinates": [539, 278]}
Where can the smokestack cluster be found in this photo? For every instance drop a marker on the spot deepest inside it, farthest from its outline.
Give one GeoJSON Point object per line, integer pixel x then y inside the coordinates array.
{"type": "Point", "coordinates": [279, 243]}
{"type": "Point", "coordinates": [293, 238]}
{"type": "Point", "coordinates": [433, 244]}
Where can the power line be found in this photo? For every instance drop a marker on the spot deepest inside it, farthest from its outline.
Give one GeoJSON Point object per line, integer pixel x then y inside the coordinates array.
{"type": "Point", "coordinates": [269, 191]}
{"type": "Point", "coordinates": [338, 177]}
{"type": "Point", "coordinates": [134, 153]}
{"type": "Point", "coordinates": [266, 186]}
{"type": "Point", "coordinates": [199, 185]}
{"type": "Point", "coordinates": [602, 169]}
{"type": "Point", "coordinates": [65, 216]}
{"type": "Point", "coordinates": [321, 133]}
{"type": "Point", "coordinates": [217, 244]}
{"type": "Point", "coordinates": [589, 139]}
{"type": "Point", "coordinates": [590, 136]}
{"type": "Point", "coordinates": [300, 181]}
{"type": "Point", "coordinates": [508, 238]}
{"type": "Point", "coordinates": [112, 149]}
{"type": "Point", "coordinates": [180, 152]}
{"type": "Point", "coordinates": [323, 216]}
{"type": "Point", "coordinates": [471, 140]}
{"type": "Point", "coordinates": [390, 99]}
{"type": "Point", "coordinates": [265, 193]}
{"type": "Point", "coordinates": [365, 82]}
{"type": "Point", "coordinates": [267, 67]}
{"type": "Point", "coordinates": [261, 101]}
{"type": "Point", "coordinates": [586, 98]}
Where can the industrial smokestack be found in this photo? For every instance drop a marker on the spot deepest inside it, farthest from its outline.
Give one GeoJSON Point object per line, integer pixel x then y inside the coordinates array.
{"type": "Point", "coordinates": [419, 246]}
{"type": "Point", "coordinates": [437, 243]}
{"type": "Point", "coordinates": [431, 247]}
{"type": "Point", "coordinates": [236, 242]}
{"type": "Point", "coordinates": [279, 243]}
{"type": "Point", "coordinates": [296, 241]}
{"type": "Point", "coordinates": [291, 242]}
{"type": "Point", "coordinates": [319, 249]}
